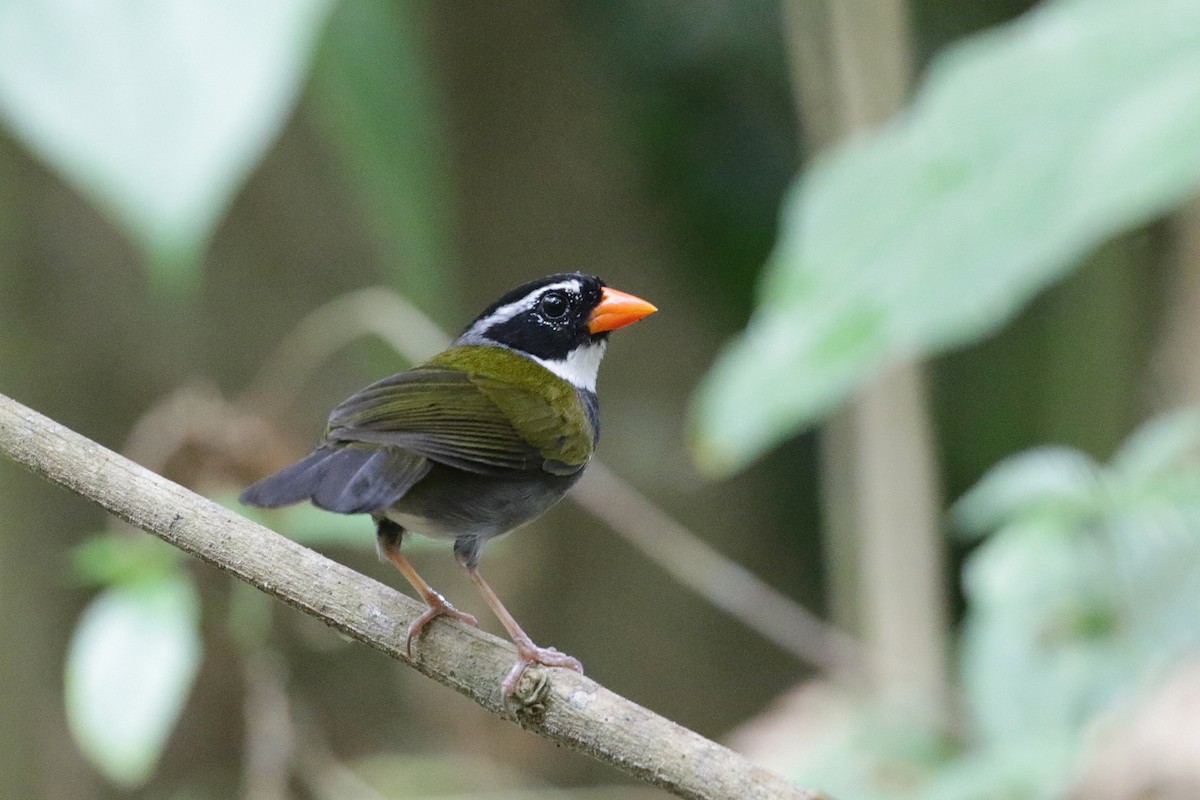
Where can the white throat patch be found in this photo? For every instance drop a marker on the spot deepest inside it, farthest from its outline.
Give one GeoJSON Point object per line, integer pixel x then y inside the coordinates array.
{"type": "Point", "coordinates": [580, 366]}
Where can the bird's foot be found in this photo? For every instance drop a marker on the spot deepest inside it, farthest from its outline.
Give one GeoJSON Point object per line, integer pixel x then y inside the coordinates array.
{"type": "Point", "coordinates": [529, 653]}
{"type": "Point", "coordinates": [438, 607]}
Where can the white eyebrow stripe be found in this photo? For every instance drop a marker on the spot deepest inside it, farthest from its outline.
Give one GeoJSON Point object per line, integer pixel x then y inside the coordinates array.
{"type": "Point", "coordinates": [506, 312]}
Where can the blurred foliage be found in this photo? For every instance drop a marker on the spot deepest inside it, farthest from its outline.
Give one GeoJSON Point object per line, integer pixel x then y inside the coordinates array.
{"type": "Point", "coordinates": [937, 229]}
{"type": "Point", "coordinates": [1080, 599]}
{"type": "Point", "coordinates": [137, 647]}
{"type": "Point", "coordinates": [129, 669]}
{"type": "Point", "coordinates": [124, 558]}
{"type": "Point", "coordinates": [157, 111]}
{"type": "Point", "coordinates": [1090, 583]}
{"type": "Point", "coordinates": [434, 141]}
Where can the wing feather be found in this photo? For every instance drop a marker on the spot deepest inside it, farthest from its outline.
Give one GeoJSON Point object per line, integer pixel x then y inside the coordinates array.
{"type": "Point", "coordinates": [463, 420]}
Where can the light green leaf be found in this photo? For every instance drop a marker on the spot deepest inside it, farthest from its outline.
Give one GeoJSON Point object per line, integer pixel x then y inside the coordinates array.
{"type": "Point", "coordinates": [131, 663]}
{"type": "Point", "coordinates": [1041, 650]}
{"type": "Point", "coordinates": [156, 109]}
{"type": "Point", "coordinates": [1160, 446]}
{"type": "Point", "coordinates": [880, 752]}
{"type": "Point", "coordinates": [1044, 481]}
{"type": "Point", "coordinates": [1087, 588]}
{"type": "Point", "coordinates": [1024, 769]}
{"type": "Point", "coordinates": [1025, 148]}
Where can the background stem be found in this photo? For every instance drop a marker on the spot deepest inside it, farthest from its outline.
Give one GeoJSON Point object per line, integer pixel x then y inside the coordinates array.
{"type": "Point", "coordinates": [851, 65]}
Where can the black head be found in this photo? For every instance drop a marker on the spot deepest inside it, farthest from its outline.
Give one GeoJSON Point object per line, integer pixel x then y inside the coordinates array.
{"type": "Point", "coordinates": [547, 318]}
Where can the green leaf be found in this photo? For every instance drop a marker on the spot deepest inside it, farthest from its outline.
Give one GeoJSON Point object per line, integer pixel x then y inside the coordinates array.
{"type": "Point", "coordinates": [1025, 148]}
{"type": "Point", "coordinates": [1041, 648]}
{"type": "Point", "coordinates": [1089, 586]}
{"type": "Point", "coordinates": [1025, 769]}
{"type": "Point", "coordinates": [1047, 479]}
{"type": "Point", "coordinates": [132, 660]}
{"type": "Point", "coordinates": [156, 109]}
{"type": "Point", "coordinates": [1160, 446]}
{"type": "Point", "coordinates": [880, 753]}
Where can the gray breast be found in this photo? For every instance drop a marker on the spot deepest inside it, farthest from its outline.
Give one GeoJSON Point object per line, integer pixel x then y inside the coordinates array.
{"type": "Point", "coordinates": [450, 503]}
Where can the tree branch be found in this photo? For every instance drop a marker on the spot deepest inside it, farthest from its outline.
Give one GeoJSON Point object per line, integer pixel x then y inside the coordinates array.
{"type": "Point", "coordinates": [557, 704]}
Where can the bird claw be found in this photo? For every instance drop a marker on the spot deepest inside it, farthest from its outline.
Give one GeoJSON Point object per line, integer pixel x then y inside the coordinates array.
{"type": "Point", "coordinates": [438, 607]}
{"type": "Point", "coordinates": [529, 653]}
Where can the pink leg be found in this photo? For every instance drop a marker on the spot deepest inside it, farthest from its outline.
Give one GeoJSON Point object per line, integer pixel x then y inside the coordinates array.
{"type": "Point", "coordinates": [438, 606]}
{"type": "Point", "coordinates": [527, 652]}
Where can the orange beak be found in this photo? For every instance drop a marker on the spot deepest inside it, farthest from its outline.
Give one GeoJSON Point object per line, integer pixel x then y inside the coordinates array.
{"type": "Point", "coordinates": [616, 310]}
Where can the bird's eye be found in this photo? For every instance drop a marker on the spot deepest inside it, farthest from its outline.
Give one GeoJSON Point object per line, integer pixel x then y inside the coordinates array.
{"type": "Point", "coordinates": [554, 305]}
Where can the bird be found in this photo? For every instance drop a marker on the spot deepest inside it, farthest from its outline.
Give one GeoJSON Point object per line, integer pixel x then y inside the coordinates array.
{"type": "Point", "coordinates": [480, 439]}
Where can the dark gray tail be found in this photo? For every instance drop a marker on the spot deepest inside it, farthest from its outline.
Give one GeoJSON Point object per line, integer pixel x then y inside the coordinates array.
{"type": "Point", "coordinates": [349, 479]}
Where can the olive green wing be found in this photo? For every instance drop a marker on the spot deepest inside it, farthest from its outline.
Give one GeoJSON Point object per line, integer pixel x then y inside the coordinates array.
{"type": "Point", "coordinates": [472, 422]}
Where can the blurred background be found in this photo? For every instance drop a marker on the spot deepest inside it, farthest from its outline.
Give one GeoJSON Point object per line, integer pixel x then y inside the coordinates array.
{"type": "Point", "coordinates": [899, 491]}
